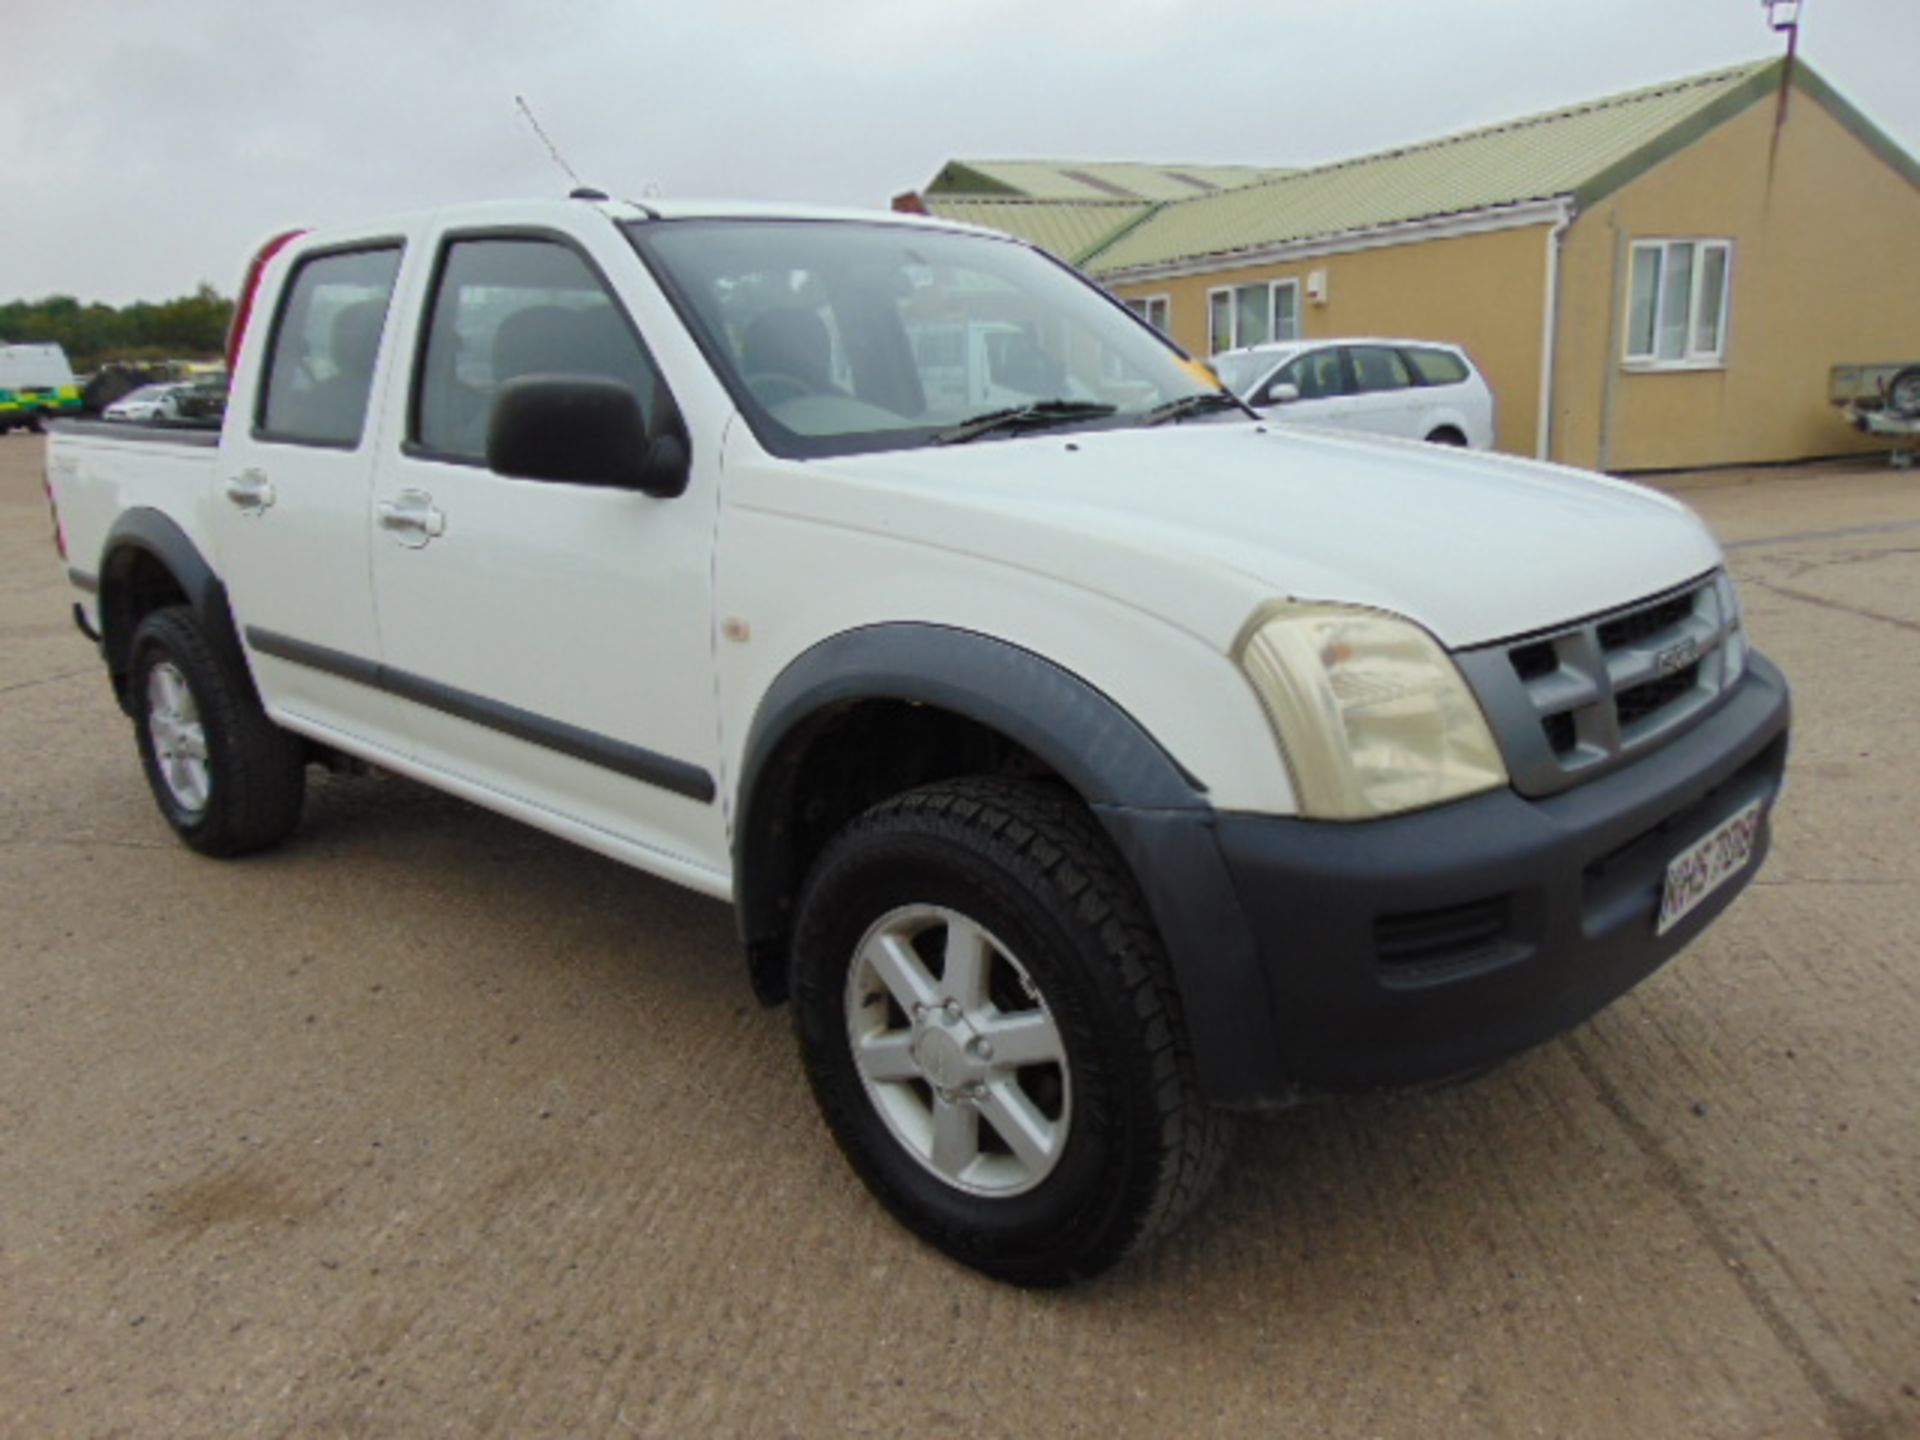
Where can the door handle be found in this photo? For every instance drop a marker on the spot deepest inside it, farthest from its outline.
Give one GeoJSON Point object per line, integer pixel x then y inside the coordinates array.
{"type": "Point", "coordinates": [412, 518]}
{"type": "Point", "coordinates": [251, 491]}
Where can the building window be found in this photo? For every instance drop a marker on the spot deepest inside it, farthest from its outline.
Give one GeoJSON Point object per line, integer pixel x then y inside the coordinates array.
{"type": "Point", "coordinates": [1677, 309]}
{"type": "Point", "coordinates": [1154, 309]}
{"type": "Point", "coordinates": [1239, 315]}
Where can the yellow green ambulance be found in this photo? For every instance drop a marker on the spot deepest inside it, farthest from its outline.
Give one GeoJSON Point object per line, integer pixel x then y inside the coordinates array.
{"type": "Point", "coordinates": [35, 382]}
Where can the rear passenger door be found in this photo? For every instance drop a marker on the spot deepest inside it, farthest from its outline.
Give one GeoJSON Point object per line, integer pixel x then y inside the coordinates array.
{"type": "Point", "coordinates": [1386, 400]}
{"type": "Point", "coordinates": [291, 496]}
{"type": "Point", "coordinates": [552, 642]}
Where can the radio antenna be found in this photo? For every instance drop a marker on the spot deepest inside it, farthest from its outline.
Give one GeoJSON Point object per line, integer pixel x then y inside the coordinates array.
{"type": "Point", "coordinates": [545, 139]}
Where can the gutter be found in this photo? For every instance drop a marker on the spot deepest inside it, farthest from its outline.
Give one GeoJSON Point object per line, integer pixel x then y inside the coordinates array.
{"type": "Point", "coordinates": [1372, 237]}
{"type": "Point", "coordinates": [1550, 333]}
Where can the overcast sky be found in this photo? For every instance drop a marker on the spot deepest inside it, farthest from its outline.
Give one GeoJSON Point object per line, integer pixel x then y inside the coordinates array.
{"type": "Point", "coordinates": [151, 144]}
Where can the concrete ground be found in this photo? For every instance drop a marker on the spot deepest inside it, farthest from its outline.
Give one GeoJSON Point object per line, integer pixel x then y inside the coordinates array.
{"type": "Point", "coordinates": [427, 1124]}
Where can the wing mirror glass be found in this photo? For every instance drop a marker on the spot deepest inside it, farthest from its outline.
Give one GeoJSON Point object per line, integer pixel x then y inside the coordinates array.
{"type": "Point", "coordinates": [583, 430]}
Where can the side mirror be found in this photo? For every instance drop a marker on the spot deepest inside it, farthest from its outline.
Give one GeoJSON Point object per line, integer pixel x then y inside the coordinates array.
{"type": "Point", "coordinates": [1282, 392]}
{"type": "Point", "coordinates": [582, 430]}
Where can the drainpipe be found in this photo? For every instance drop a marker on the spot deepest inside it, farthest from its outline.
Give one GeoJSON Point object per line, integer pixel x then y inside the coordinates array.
{"type": "Point", "coordinates": [1550, 334]}
{"type": "Point", "coordinates": [1610, 374]}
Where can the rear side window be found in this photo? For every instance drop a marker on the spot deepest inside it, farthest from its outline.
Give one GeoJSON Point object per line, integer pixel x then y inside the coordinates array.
{"type": "Point", "coordinates": [1377, 368]}
{"type": "Point", "coordinates": [325, 341]}
{"type": "Point", "coordinates": [1436, 367]}
{"type": "Point", "coordinates": [507, 309]}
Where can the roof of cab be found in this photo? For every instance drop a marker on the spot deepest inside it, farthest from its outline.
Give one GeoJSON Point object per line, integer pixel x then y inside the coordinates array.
{"type": "Point", "coordinates": [538, 211]}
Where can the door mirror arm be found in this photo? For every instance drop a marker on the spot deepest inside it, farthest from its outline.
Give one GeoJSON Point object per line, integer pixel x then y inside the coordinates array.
{"type": "Point", "coordinates": [668, 466]}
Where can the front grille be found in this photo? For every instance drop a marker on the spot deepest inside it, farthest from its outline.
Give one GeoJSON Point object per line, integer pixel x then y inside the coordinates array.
{"type": "Point", "coordinates": [1530, 662]}
{"type": "Point", "coordinates": [1574, 702]}
{"type": "Point", "coordinates": [1562, 733]}
{"type": "Point", "coordinates": [1651, 698]}
{"type": "Point", "coordinates": [1638, 625]}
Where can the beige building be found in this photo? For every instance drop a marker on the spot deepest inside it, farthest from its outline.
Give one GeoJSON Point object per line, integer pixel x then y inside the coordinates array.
{"type": "Point", "coordinates": [1653, 280]}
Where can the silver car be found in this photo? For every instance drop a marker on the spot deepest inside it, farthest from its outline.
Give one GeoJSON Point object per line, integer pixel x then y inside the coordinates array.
{"type": "Point", "coordinates": [1414, 389]}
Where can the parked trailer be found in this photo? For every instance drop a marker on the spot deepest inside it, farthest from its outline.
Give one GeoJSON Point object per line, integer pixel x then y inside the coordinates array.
{"type": "Point", "coordinates": [1882, 399]}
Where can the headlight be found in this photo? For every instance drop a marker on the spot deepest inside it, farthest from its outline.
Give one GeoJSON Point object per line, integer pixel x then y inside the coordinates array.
{"type": "Point", "coordinates": [1735, 644]}
{"type": "Point", "coordinates": [1372, 715]}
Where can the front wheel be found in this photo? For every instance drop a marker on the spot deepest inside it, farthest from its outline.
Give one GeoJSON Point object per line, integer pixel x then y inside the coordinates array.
{"type": "Point", "coordinates": [993, 1035]}
{"type": "Point", "coordinates": [227, 779]}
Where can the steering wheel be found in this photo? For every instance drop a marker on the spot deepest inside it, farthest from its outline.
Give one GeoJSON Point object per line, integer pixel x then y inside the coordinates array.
{"type": "Point", "coordinates": [776, 387]}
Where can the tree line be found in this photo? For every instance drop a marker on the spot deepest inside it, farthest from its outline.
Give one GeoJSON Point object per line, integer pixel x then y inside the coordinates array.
{"type": "Point", "coordinates": [192, 327]}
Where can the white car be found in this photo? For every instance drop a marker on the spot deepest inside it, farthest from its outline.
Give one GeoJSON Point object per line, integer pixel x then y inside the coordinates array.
{"type": "Point", "coordinates": [1413, 389]}
{"type": "Point", "coordinates": [149, 402]}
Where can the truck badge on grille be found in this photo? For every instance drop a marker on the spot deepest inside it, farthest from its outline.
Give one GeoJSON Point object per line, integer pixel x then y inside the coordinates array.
{"type": "Point", "coordinates": [1676, 658]}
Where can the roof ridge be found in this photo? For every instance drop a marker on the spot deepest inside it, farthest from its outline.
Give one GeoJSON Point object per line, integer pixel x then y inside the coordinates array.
{"type": "Point", "coordinates": [1149, 164]}
{"type": "Point", "coordinates": [951, 197]}
{"type": "Point", "coordinates": [1498, 127]}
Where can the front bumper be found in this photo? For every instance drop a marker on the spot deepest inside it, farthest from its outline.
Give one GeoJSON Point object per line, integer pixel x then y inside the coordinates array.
{"type": "Point", "coordinates": [1427, 946]}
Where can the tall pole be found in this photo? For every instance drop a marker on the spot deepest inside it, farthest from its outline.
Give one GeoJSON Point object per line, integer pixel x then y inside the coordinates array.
{"type": "Point", "coordinates": [1791, 25]}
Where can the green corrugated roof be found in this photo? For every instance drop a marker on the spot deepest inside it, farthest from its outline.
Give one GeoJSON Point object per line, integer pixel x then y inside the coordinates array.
{"type": "Point", "coordinates": [1093, 179]}
{"type": "Point", "coordinates": [1577, 151]}
{"type": "Point", "coordinates": [1071, 229]}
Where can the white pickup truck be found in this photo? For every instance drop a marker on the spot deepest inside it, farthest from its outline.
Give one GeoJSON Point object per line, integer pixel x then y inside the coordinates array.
{"type": "Point", "coordinates": [1081, 771]}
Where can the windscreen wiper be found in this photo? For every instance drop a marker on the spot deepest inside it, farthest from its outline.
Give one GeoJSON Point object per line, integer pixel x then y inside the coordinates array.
{"type": "Point", "coordinates": [1196, 404]}
{"type": "Point", "coordinates": [1021, 417]}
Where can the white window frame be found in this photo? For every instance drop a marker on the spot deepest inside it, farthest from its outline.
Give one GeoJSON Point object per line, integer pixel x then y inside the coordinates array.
{"type": "Point", "coordinates": [1691, 357]}
{"type": "Point", "coordinates": [1274, 287]}
{"type": "Point", "coordinates": [1145, 305]}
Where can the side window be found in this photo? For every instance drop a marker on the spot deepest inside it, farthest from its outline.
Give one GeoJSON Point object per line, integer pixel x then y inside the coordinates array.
{"type": "Point", "coordinates": [324, 344]}
{"type": "Point", "coordinates": [1377, 368]}
{"type": "Point", "coordinates": [1437, 367]}
{"type": "Point", "coordinates": [508, 309]}
{"type": "Point", "coordinates": [1318, 375]}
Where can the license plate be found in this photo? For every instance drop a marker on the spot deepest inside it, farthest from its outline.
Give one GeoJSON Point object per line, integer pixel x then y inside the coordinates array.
{"type": "Point", "coordinates": [1707, 864]}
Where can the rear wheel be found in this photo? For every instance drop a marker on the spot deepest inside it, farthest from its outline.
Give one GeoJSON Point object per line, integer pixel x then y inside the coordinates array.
{"type": "Point", "coordinates": [993, 1035]}
{"type": "Point", "coordinates": [227, 779]}
{"type": "Point", "coordinates": [1447, 435]}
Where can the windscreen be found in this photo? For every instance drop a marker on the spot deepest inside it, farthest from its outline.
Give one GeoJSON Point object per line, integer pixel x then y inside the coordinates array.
{"type": "Point", "coordinates": [838, 336]}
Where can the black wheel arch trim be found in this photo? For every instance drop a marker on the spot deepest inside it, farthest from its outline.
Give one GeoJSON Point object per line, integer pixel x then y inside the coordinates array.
{"type": "Point", "coordinates": [1157, 814]}
{"type": "Point", "coordinates": [146, 532]}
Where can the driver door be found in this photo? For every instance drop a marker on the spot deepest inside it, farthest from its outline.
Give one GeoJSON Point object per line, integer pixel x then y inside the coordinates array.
{"type": "Point", "coordinates": [553, 642]}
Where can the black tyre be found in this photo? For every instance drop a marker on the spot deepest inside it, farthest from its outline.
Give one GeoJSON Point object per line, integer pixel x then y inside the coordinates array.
{"type": "Point", "coordinates": [993, 1035]}
{"type": "Point", "coordinates": [1447, 435]}
{"type": "Point", "coordinates": [226, 777]}
{"type": "Point", "coordinates": [1903, 393]}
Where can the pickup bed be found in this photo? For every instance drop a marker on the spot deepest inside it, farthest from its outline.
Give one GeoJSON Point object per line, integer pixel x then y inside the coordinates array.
{"type": "Point", "coordinates": [1084, 759]}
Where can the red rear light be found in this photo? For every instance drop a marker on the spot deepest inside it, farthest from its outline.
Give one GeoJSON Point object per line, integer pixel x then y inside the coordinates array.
{"type": "Point", "coordinates": [249, 287]}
